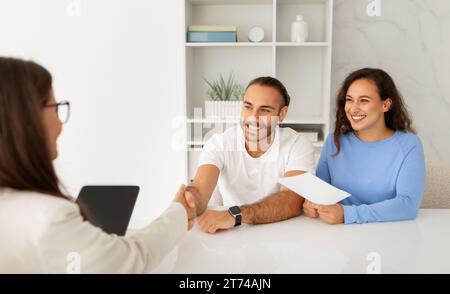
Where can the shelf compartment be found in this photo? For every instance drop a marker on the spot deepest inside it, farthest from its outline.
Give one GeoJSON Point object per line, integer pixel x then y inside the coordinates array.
{"type": "Point", "coordinates": [302, 72]}
{"type": "Point", "coordinates": [242, 14]}
{"type": "Point", "coordinates": [245, 63]}
{"type": "Point", "coordinates": [315, 13]}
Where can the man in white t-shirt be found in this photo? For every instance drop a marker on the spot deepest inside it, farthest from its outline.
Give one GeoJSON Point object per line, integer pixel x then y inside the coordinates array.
{"type": "Point", "coordinates": [246, 161]}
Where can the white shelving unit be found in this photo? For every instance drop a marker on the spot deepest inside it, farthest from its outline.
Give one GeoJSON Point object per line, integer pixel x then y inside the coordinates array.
{"type": "Point", "coordinates": [304, 68]}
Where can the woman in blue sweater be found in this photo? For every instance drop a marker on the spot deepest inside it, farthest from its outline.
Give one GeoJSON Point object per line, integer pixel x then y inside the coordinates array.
{"type": "Point", "coordinates": [373, 154]}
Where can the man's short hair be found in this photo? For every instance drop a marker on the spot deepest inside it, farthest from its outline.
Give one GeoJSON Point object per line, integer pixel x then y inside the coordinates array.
{"type": "Point", "coordinates": [273, 83]}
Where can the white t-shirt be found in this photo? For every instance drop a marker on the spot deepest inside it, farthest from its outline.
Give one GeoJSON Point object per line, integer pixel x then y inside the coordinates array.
{"type": "Point", "coordinates": [244, 179]}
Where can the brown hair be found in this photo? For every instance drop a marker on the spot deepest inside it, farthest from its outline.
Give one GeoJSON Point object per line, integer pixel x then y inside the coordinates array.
{"type": "Point", "coordinates": [274, 83]}
{"type": "Point", "coordinates": [25, 160]}
{"type": "Point", "coordinates": [397, 118]}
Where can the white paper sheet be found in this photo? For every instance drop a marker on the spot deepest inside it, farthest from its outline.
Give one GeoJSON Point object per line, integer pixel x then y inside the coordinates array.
{"type": "Point", "coordinates": [314, 189]}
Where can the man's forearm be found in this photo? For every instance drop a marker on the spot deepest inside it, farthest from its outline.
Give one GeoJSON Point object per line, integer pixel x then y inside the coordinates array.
{"type": "Point", "coordinates": [202, 187]}
{"type": "Point", "coordinates": [274, 208]}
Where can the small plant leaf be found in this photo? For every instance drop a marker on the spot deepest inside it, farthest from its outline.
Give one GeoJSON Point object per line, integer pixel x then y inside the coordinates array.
{"type": "Point", "coordinates": [221, 90]}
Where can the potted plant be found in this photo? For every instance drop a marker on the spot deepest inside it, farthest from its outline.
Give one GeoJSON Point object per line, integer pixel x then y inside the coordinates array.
{"type": "Point", "coordinates": [224, 98]}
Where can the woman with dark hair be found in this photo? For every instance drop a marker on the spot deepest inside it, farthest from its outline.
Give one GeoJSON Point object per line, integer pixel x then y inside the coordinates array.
{"type": "Point", "coordinates": [40, 227]}
{"type": "Point", "coordinates": [373, 154]}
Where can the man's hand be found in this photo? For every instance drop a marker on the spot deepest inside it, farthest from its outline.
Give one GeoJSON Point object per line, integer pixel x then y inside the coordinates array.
{"type": "Point", "coordinates": [331, 214]}
{"type": "Point", "coordinates": [193, 194]}
{"type": "Point", "coordinates": [212, 220]}
{"type": "Point", "coordinates": [189, 203]}
{"type": "Point", "coordinates": [309, 210]}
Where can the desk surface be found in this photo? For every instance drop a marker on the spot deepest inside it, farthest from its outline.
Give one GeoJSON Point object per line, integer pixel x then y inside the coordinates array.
{"type": "Point", "coordinates": [304, 245]}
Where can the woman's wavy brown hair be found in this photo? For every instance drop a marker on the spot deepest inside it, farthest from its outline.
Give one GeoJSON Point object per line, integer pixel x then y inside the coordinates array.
{"type": "Point", "coordinates": [25, 160]}
{"type": "Point", "coordinates": [397, 118]}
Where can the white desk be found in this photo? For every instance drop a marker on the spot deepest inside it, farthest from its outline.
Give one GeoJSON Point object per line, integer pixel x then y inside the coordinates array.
{"type": "Point", "coordinates": [304, 245]}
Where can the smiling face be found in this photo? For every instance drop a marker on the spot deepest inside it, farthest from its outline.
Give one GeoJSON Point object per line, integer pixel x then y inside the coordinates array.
{"type": "Point", "coordinates": [364, 108]}
{"type": "Point", "coordinates": [263, 109]}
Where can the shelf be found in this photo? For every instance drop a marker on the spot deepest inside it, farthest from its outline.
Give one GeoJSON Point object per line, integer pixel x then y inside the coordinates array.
{"type": "Point", "coordinates": [296, 2]}
{"type": "Point", "coordinates": [195, 143]}
{"type": "Point", "coordinates": [230, 2]}
{"type": "Point", "coordinates": [262, 44]}
{"type": "Point", "coordinates": [196, 149]}
{"type": "Point", "coordinates": [253, 2]}
{"type": "Point", "coordinates": [211, 121]}
{"type": "Point", "coordinates": [304, 121]}
{"type": "Point", "coordinates": [238, 44]}
{"type": "Point", "coordinates": [306, 44]}
{"type": "Point", "coordinates": [296, 121]}
{"type": "Point", "coordinates": [200, 144]}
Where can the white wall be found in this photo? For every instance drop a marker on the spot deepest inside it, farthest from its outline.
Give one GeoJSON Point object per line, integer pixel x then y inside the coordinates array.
{"type": "Point", "coordinates": [120, 64]}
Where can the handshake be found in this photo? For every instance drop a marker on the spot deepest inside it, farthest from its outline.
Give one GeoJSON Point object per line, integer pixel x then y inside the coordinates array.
{"type": "Point", "coordinates": [186, 197]}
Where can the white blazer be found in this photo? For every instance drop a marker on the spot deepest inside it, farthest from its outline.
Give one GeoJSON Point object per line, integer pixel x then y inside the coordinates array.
{"type": "Point", "coordinates": [46, 234]}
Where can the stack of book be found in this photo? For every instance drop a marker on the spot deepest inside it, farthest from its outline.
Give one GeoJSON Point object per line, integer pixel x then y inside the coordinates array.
{"type": "Point", "coordinates": [218, 33]}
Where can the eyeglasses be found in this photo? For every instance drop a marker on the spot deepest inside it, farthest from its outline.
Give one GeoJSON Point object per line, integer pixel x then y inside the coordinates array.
{"type": "Point", "coordinates": [62, 110]}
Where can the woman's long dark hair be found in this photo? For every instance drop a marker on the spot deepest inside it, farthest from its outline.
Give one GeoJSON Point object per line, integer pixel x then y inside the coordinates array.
{"type": "Point", "coordinates": [397, 118]}
{"type": "Point", "coordinates": [25, 160]}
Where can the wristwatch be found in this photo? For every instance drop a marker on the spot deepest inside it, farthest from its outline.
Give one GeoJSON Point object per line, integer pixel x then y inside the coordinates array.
{"type": "Point", "coordinates": [236, 212]}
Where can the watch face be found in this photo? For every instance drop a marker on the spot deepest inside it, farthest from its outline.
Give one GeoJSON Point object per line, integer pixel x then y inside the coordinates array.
{"type": "Point", "coordinates": [235, 210]}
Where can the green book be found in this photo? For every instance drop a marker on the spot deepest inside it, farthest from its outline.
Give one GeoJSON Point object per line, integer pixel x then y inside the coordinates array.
{"type": "Point", "coordinates": [212, 28]}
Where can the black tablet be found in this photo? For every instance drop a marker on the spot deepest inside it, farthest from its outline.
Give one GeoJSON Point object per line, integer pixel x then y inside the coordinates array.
{"type": "Point", "coordinates": [109, 207]}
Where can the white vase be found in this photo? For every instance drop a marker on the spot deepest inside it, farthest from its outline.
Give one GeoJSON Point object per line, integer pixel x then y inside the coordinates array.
{"type": "Point", "coordinates": [299, 30]}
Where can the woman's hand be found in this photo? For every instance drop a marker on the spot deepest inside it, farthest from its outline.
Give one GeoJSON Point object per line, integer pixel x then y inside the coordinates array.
{"type": "Point", "coordinates": [331, 214]}
{"type": "Point", "coordinates": [309, 210]}
{"type": "Point", "coordinates": [188, 201]}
